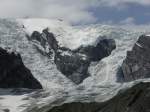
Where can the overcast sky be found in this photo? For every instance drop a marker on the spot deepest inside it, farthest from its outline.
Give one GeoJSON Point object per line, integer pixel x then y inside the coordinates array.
{"type": "Point", "coordinates": [80, 11]}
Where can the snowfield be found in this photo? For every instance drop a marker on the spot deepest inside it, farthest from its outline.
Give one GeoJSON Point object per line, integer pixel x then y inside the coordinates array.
{"type": "Point", "coordinates": [100, 86]}
{"type": "Point", "coordinates": [74, 37]}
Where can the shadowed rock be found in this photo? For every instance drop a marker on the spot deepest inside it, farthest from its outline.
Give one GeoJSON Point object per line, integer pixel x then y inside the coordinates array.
{"type": "Point", "coordinates": [137, 62]}
{"type": "Point", "coordinates": [74, 63]}
{"type": "Point", "coordinates": [95, 53]}
{"type": "Point", "coordinates": [14, 74]}
{"type": "Point", "coordinates": [135, 99]}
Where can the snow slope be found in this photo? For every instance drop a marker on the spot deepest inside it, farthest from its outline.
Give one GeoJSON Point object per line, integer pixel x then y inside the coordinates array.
{"type": "Point", "coordinates": [66, 34]}
{"type": "Point", "coordinates": [100, 86]}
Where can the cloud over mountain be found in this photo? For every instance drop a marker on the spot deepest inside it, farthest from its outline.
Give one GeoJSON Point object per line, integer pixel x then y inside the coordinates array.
{"type": "Point", "coordinates": [73, 11]}
{"type": "Point", "coordinates": [77, 11]}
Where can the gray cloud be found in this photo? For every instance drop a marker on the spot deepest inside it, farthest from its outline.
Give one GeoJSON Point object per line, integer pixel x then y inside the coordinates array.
{"type": "Point", "coordinates": [73, 11]}
{"type": "Point", "coordinates": [128, 21]}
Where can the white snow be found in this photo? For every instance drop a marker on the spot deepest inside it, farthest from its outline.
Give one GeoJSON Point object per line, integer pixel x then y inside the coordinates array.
{"type": "Point", "coordinates": [66, 53]}
{"type": "Point", "coordinates": [66, 34]}
{"type": "Point", "coordinates": [148, 35]}
{"type": "Point", "coordinates": [35, 24]}
{"type": "Point", "coordinates": [138, 44]}
{"type": "Point", "coordinates": [100, 86]}
{"type": "Point", "coordinates": [13, 102]}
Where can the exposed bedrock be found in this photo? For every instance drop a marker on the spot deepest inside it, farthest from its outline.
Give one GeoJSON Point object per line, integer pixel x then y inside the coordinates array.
{"type": "Point", "coordinates": [135, 99]}
{"type": "Point", "coordinates": [13, 73]}
{"type": "Point", "coordinates": [95, 53]}
{"type": "Point", "coordinates": [74, 63]}
{"type": "Point", "coordinates": [137, 62]}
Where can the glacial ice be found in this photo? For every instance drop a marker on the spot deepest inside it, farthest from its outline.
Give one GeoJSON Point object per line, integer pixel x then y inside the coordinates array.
{"type": "Point", "coordinates": [100, 86]}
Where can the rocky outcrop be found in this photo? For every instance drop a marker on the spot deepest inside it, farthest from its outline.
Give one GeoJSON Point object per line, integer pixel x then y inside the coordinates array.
{"type": "Point", "coordinates": [45, 38]}
{"type": "Point", "coordinates": [135, 99]}
{"type": "Point", "coordinates": [95, 53]}
{"type": "Point", "coordinates": [52, 42]}
{"type": "Point", "coordinates": [74, 63]}
{"type": "Point", "coordinates": [14, 74]}
{"type": "Point", "coordinates": [137, 62]}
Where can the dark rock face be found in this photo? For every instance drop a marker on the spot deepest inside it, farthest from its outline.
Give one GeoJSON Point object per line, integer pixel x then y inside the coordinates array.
{"type": "Point", "coordinates": [135, 99]}
{"type": "Point", "coordinates": [14, 74]}
{"type": "Point", "coordinates": [98, 52]}
{"type": "Point", "coordinates": [77, 107]}
{"type": "Point", "coordinates": [137, 63]}
{"type": "Point", "coordinates": [44, 37]}
{"type": "Point", "coordinates": [74, 63]}
{"type": "Point", "coordinates": [36, 36]}
{"type": "Point", "coordinates": [51, 40]}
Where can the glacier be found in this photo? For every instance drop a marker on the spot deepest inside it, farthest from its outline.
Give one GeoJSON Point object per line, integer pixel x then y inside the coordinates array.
{"type": "Point", "coordinates": [100, 86]}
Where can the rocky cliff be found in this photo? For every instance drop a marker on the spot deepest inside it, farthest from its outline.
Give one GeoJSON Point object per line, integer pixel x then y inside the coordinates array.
{"type": "Point", "coordinates": [13, 73]}
{"type": "Point", "coordinates": [137, 62]}
{"type": "Point", "coordinates": [73, 63]}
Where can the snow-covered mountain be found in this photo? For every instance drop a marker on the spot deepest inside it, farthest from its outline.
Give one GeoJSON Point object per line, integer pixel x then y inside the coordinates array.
{"type": "Point", "coordinates": [99, 86]}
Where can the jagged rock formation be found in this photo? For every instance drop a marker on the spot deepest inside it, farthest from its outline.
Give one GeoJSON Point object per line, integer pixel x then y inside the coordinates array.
{"type": "Point", "coordinates": [14, 74]}
{"type": "Point", "coordinates": [95, 53]}
{"type": "Point", "coordinates": [135, 99]}
{"type": "Point", "coordinates": [137, 63]}
{"type": "Point", "coordinates": [74, 63]}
